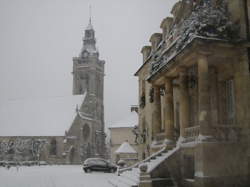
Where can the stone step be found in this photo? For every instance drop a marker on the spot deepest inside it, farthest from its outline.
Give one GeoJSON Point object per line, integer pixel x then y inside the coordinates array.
{"type": "Point", "coordinates": [119, 181]}
{"type": "Point", "coordinates": [132, 175]}
{"type": "Point", "coordinates": [163, 182]}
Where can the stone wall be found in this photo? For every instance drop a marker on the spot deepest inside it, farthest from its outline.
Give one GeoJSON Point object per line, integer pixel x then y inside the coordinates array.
{"type": "Point", "coordinates": [32, 148]}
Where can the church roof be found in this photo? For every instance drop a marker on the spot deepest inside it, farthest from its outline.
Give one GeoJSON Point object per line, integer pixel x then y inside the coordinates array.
{"type": "Point", "coordinates": [130, 121]}
{"type": "Point", "coordinates": [125, 148]}
{"type": "Point", "coordinates": [38, 116]}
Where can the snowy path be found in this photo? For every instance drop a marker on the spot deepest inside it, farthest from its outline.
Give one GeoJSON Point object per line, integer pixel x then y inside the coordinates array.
{"type": "Point", "coordinates": [53, 176]}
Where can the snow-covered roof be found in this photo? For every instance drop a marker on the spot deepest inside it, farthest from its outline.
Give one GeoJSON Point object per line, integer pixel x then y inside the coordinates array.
{"type": "Point", "coordinates": [125, 148]}
{"type": "Point", "coordinates": [38, 116]}
{"type": "Point", "coordinates": [130, 121]}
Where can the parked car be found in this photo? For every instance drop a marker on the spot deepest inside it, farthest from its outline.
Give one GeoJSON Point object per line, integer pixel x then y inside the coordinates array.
{"type": "Point", "coordinates": [98, 164]}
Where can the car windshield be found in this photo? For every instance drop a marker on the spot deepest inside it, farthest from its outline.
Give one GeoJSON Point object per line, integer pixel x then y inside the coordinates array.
{"type": "Point", "coordinates": [95, 161]}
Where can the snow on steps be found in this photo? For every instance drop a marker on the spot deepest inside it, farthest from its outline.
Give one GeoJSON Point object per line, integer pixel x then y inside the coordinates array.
{"type": "Point", "coordinates": [130, 177]}
{"type": "Point", "coordinates": [154, 163]}
{"type": "Point", "coordinates": [123, 181]}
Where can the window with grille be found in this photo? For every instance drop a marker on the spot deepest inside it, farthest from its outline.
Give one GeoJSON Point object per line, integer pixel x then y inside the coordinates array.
{"type": "Point", "coordinates": [230, 101]}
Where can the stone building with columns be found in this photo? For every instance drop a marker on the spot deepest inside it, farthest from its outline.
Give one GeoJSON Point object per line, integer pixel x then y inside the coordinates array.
{"type": "Point", "coordinates": [194, 97]}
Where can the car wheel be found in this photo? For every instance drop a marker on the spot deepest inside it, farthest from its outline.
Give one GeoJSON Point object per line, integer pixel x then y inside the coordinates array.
{"type": "Point", "coordinates": [88, 170]}
{"type": "Point", "coordinates": [112, 170]}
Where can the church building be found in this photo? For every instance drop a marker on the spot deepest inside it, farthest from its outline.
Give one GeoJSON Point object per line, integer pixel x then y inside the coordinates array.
{"type": "Point", "coordinates": [85, 138]}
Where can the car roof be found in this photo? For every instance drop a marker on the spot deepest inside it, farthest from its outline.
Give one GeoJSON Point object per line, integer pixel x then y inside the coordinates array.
{"type": "Point", "coordinates": [90, 159]}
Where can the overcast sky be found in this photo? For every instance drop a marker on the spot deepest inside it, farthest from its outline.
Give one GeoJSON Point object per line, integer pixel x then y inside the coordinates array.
{"type": "Point", "coordinates": [38, 39]}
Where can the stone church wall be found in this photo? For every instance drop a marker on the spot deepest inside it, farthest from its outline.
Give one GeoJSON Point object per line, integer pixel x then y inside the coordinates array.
{"type": "Point", "coordinates": [32, 148]}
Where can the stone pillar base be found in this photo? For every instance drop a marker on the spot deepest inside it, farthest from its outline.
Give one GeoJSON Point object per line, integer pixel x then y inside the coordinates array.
{"type": "Point", "coordinates": [236, 181]}
{"type": "Point", "coordinates": [145, 181]}
{"type": "Point", "coordinates": [145, 178]}
{"type": "Point", "coordinates": [170, 144]}
{"type": "Point", "coordinates": [221, 164]}
{"type": "Point", "coordinates": [158, 143]}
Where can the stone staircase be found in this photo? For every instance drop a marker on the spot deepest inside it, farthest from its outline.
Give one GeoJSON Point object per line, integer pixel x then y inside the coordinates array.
{"type": "Point", "coordinates": [158, 170]}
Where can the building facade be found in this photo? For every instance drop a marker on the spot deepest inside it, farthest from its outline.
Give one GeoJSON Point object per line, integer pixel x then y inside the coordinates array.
{"type": "Point", "coordinates": [85, 138]}
{"type": "Point", "coordinates": [194, 97]}
{"type": "Point", "coordinates": [122, 131]}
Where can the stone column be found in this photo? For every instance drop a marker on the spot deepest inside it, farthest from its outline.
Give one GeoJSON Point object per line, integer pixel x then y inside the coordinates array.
{"type": "Point", "coordinates": [156, 118]}
{"type": "Point", "coordinates": [184, 103]}
{"type": "Point", "coordinates": [213, 96]}
{"type": "Point", "coordinates": [169, 107]}
{"type": "Point", "coordinates": [242, 96]}
{"type": "Point", "coordinates": [203, 89]}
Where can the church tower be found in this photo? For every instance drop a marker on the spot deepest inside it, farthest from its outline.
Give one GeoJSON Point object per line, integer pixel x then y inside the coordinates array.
{"type": "Point", "coordinates": [88, 81]}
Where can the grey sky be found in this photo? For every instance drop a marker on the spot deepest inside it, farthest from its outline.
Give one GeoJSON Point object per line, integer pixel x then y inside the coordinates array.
{"type": "Point", "coordinates": [39, 38]}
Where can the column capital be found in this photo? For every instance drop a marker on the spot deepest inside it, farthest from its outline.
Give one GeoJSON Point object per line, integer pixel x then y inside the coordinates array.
{"type": "Point", "coordinates": [204, 53]}
{"type": "Point", "coordinates": [182, 71]}
{"type": "Point", "coordinates": [156, 86]}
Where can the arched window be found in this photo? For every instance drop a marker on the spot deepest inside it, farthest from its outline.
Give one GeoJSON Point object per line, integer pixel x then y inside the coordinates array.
{"type": "Point", "coordinates": [53, 149]}
{"type": "Point", "coordinates": [85, 132]}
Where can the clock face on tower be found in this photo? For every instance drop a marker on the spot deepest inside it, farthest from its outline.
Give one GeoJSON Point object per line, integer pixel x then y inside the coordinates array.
{"type": "Point", "coordinates": [85, 54]}
{"type": "Point", "coordinates": [88, 34]}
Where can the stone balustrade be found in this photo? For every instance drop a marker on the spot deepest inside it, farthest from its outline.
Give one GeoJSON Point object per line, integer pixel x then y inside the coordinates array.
{"type": "Point", "coordinates": [227, 132]}
{"type": "Point", "coordinates": [191, 133]}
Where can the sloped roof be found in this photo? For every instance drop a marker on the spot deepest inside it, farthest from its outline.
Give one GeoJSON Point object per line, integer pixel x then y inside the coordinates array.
{"type": "Point", "coordinates": [125, 148]}
{"type": "Point", "coordinates": [130, 121]}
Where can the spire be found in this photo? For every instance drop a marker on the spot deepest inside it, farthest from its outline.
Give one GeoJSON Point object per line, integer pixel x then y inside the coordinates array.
{"type": "Point", "coordinates": [89, 38]}
{"type": "Point", "coordinates": [90, 15]}
{"type": "Point", "coordinates": [90, 27]}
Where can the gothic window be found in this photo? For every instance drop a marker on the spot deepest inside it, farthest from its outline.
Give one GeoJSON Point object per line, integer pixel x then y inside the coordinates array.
{"type": "Point", "coordinates": [98, 85]}
{"type": "Point", "coordinates": [53, 148]}
{"type": "Point", "coordinates": [85, 132]}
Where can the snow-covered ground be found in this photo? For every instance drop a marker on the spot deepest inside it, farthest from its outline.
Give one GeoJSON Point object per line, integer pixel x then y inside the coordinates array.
{"type": "Point", "coordinates": [53, 176]}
